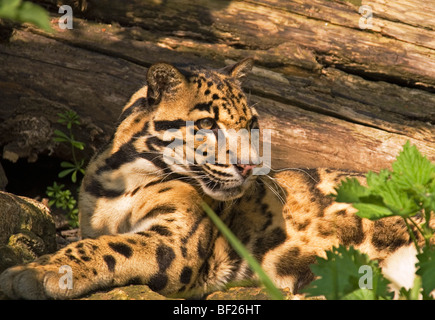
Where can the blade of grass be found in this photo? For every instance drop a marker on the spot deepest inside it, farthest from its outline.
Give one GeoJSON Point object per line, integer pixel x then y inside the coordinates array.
{"type": "Point", "coordinates": [272, 290]}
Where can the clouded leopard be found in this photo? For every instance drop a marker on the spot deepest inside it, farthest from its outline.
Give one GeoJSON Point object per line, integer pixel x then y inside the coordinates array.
{"type": "Point", "coordinates": [141, 217]}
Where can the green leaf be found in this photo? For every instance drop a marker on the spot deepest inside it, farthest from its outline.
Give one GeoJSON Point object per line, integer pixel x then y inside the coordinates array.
{"type": "Point", "coordinates": [64, 173]}
{"type": "Point", "coordinates": [411, 169]}
{"type": "Point", "coordinates": [62, 135]}
{"type": "Point", "coordinates": [345, 273]}
{"type": "Point", "coordinates": [396, 199]}
{"type": "Point", "coordinates": [32, 13]}
{"type": "Point", "coordinates": [414, 292]}
{"type": "Point", "coordinates": [74, 176]}
{"type": "Point", "coordinates": [9, 8]}
{"type": "Point", "coordinates": [372, 211]}
{"type": "Point", "coordinates": [338, 274]}
{"type": "Point", "coordinates": [426, 269]}
{"type": "Point", "coordinates": [25, 12]}
{"type": "Point", "coordinates": [66, 164]}
{"type": "Point", "coordinates": [59, 139]}
{"type": "Point", "coordinates": [79, 145]}
{"type": "Point", "coordinates": [361, 294]}
{"type": "Point", "coordinates": [374, 180]}
{"type": "Point", "coordinates": [350, 190]}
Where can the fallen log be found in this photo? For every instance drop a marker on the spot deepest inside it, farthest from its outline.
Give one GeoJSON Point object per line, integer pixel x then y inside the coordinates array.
{"type": "Point", "coordinates": [334, 94]}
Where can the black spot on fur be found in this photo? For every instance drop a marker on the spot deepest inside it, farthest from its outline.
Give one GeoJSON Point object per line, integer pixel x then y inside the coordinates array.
{"type": "Point", "coordinates": [132, 241]}
{"type": "Point", "coordinates": [139, 103]}
{"type": "Point", "coordinates": [134, 191]}
{"type": "Point", "coordinates": [158, 282]}
{"type": "Point", "coordinates": [165, 256]}
{"type": "Point", "coordinates": [186, 275]}
{"type": "Point", "coordinates": [216, 113]}
{"type": "Point", "coordinates": [161, 209]}
{"type": "Point", "coordinates": [95, 188]}
{"type": "Point", "coordinates": [350, 231]}
{"type": "Point", "coordinates": [169, 124]}
{"type": "Point", "coordinates": [155, 144]}
{"type": "Point", "coordinates": [162, 230]}
{"type": "Point", "coordinates": [126, 153]}
{"type": "Point", "coordinates": [268, 241]}
{"type": "Point", "coordinates": [164, 189]}
{"type": "Point", "coordinates": [202, 107]}
{"type": "Point", "coordinates": [134, 280]}
{"type": "Point", "coordinates": [110, 261]}
{"type": "Point", "coordinates": [121, 248]}
{"type": "Point", "coordinates": [144, 234]}
{"type": "Point", "coordinates": [312, 179]}
{"type": "Point", "coordinates": [390, 234]}
{"type": "Point", "coordinates": [297, 264]}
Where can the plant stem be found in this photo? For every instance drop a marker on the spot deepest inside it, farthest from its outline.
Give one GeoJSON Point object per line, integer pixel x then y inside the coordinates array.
{"type": "Point", "coordinates": [426, 232]}
{"type": "Point", "coordinates": [72, 146]}
{"type": "Point", "coordinates": [411, 233]}
{"type": "Point", "coordinates": [273, 291]}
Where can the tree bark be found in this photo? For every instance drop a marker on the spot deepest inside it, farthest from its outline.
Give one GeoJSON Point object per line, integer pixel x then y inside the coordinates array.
{"type": "Point", "coordinates": [334, 95]}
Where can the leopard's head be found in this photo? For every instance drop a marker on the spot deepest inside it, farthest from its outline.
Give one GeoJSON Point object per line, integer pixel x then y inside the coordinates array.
{"type": "Point", "coordinates": [189, 116]}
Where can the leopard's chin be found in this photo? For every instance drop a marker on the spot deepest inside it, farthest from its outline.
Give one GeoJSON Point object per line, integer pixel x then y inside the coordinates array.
{"type": "Point", "coordinates": [226, 193]}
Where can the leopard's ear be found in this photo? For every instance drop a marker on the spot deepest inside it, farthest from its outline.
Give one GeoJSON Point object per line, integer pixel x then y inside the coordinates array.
{"type": "Point", "coordinates": [240, 69]}
{"type": "Point", "coordinates": [163, 80]}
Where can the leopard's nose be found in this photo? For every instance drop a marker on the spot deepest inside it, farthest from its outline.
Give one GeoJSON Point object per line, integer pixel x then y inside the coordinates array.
{"type": "Point", "coordinates": [245, 169]}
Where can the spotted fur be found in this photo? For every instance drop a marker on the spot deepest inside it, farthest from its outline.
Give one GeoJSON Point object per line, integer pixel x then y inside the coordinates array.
{"type": "Point", "coordinates": [141, 218]}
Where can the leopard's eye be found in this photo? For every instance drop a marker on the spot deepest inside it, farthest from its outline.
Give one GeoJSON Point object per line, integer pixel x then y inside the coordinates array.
{"type": "Point", "coordinates": [206, 123]}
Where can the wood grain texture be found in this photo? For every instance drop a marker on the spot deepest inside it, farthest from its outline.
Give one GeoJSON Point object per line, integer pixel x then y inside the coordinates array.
{"type": "Point", "coordinates": [333, 94]}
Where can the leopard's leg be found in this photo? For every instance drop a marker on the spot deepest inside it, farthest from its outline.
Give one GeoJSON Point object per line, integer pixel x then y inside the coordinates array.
{"type": "Point", "coordinates": [158, 257]}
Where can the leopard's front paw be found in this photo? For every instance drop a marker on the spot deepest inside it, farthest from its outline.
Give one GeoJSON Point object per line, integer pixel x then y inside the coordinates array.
{"type": "Point", "coordinates": [34, 281]}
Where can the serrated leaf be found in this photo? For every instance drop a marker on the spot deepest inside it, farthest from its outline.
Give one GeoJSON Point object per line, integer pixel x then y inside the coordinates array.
{"type": "Point", "coordinates": [350, 190]}
{"type": "Point", "coordinates": [374, 180]}
{"type": "Point", "coordinates": [426, 269]}
{"type": "Point", "coordinates": [343, 274]}
{"type": "Point", "coordinates": [397, 199]}
{"type": "Point", "coordinates": [372, 211]}
{"type": "Point", "coordinates": [411, 168]}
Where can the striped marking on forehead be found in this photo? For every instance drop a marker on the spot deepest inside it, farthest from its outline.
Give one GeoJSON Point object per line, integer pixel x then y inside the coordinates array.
{"type": "Point", "coordinates": [222, 97]}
